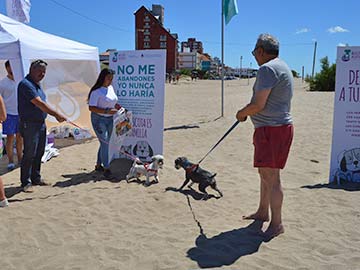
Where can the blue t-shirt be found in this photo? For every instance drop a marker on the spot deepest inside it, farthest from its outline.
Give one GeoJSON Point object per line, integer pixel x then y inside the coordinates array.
{"type": "Point", "coordinates": [277, 76]}
{"type": "Point", "coordinates": [28, 90]}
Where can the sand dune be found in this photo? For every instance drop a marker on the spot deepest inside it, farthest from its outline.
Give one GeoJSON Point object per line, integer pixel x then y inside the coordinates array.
{"type": "Point", "coordinates": [86, 222]}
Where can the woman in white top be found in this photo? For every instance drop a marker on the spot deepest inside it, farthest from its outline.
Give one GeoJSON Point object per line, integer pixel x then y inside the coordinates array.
{"type": "Point", "coordinates": [102, 105]}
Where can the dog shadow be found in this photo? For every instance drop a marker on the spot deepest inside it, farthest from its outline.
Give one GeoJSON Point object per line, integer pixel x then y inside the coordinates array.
{"type": "Point", "coordinates": [191, 192]}
{"type": "Point", "coordinates": [348, 186]}
{"type": "Point", "coordinates": [142, 182]}
{"type": "Point", "coordinates": [119, 168]}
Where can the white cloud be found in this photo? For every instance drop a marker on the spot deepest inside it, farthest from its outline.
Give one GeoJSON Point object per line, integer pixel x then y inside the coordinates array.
{"type": "Point", "coordinates": [337, 29]}
{"type": "Point", "coordinates": [302, 30]}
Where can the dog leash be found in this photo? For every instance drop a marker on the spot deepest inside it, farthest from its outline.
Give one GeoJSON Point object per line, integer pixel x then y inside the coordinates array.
{"type": "Point", "coordinates": [122, 152]}
{"type": "Point", "coordinates": [222, 138]}
{"type": "Point", "coordinates": [146, 165]}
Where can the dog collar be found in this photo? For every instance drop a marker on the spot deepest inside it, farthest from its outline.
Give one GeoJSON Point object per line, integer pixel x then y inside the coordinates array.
{"type": "Point", "coordinates": [148, 169]}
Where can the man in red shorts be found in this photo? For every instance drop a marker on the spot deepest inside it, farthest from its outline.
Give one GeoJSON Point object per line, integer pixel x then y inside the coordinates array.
{"type": "Point", "coordinates": [269, 110]}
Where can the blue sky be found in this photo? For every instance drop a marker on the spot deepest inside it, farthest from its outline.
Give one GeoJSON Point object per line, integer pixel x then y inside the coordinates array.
{"type": "Point", "coordinates": [297, 25]}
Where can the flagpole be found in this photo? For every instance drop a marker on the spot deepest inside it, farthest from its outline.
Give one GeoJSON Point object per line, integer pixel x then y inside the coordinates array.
{"type": "Point", "coordinates": [222, 58]}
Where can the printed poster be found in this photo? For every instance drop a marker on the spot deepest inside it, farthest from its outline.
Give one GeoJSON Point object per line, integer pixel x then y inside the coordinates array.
{"type": "Point", "coordinates": [139, 83]}
{"type": "Point", "coordinates": [345, 153]}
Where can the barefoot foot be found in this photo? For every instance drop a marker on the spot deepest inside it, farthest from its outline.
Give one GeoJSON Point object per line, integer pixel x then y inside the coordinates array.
{"type": "Point", "coordinates": [273, 231]}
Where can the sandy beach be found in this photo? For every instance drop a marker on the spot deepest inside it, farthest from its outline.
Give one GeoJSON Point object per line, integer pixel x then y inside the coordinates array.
{"type": "Point", "coordinates": [86, 222]}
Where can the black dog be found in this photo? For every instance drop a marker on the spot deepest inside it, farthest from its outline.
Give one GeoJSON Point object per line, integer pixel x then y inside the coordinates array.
{"type": "Point", "coordinates": [194, 173]}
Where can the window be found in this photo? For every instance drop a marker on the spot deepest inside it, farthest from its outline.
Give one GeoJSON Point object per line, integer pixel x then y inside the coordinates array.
{"type": "Point", "coordinates": [162, 37]}
{"type": "Point", "coordinates": [162, 44]}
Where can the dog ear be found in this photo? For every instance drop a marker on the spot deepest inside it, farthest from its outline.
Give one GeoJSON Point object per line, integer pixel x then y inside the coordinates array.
{"type": "Point", "coordinates": [150, 151]}
{"type": "Point", "coordinates": [341, 156]}
{"type": "Point", "coordinates": [135, 149]}
{"type": "Point", "coordinates": [343, 165]}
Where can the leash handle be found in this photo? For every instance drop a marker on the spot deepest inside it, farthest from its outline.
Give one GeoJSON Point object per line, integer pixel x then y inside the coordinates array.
{"type": "Point", "coordinates": [222, 138]}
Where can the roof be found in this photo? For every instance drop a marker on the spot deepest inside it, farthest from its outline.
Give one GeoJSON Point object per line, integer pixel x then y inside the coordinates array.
{"type": "Point", "coordinates": [17, 38]}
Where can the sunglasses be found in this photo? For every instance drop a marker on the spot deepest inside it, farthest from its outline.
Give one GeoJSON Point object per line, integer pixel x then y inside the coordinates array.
{"type": "Point", "coordinates": [253, 52]}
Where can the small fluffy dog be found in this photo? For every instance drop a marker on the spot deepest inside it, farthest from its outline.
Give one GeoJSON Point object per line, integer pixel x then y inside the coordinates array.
{"type": "Point", "coordinates": [198, 175]}
{"type": "Point", "coordinates": [138, 169]}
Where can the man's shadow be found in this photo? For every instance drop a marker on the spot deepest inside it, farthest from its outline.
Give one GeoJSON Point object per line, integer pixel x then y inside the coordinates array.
{"type": "Point", "coordinates": [12, 191]}
{"type": "Point", "coordinates": [227, 247]}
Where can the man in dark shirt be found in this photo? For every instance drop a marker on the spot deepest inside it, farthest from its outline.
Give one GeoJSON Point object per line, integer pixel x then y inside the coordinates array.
{"type": "Point", "coordinates": [33, 110]}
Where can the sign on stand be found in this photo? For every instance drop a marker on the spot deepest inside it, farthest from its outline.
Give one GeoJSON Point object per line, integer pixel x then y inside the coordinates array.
{"type": "Point", "coordinates": [139, 83]}
{"type": "Point", "coordinates": [345, 153]}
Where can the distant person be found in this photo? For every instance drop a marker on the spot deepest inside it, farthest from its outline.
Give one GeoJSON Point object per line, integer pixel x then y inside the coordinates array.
{"type": "Point", "coordinates": [177, 78]}
{"type": "Point", "coordinates": [33, 110]}
{"type": "Point", "coordinates": [103, 105]}
{"type": "Point", "coordinates": [269, 110]}
{"type": "Point", "coordinates": [3, 201]}
{"type": "Point", "coordinates": [11, 124]}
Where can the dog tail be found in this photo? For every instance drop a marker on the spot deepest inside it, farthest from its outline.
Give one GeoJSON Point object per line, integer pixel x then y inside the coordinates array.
{"type": "Point", "coordinates": [213, 175]}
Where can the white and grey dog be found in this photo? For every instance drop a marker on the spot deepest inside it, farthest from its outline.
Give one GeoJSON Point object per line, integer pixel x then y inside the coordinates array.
{"type": "Point", "coordinates": [138, 169]}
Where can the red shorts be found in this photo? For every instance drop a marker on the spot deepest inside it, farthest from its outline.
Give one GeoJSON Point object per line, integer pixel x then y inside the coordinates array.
{"type": "Point", "coordinates": [272, 146]}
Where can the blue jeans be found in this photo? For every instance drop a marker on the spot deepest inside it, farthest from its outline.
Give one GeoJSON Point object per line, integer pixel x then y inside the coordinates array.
{"type": "Point", "coordinates": [103, 127]}
{"type": "Point", "coordinates": [34, 135]}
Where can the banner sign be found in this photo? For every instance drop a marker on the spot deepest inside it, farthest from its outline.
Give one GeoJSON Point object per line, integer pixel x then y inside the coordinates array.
{"type": "Point", "coordinates": [345, 153]}
{"type": "Point", "coordinates": [19, 10]}
{"type": "Point", "coordinates": [139, 83]}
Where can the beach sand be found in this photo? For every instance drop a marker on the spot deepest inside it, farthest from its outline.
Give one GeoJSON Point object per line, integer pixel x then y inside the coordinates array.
{"type": "Point", "coordinates": [85, 222]}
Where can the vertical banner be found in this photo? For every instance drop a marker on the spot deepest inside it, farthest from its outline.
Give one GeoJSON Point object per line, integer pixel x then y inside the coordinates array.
{"type": "Point", "coordinates": [345, 153]}
{"type": "Point", "coordinates": [139, 83]}
{"type": "Point", "coordinates": [18, 10]}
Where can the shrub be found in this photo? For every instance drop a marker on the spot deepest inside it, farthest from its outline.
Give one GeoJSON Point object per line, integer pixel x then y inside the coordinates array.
{"type": "Point", "coordinates": [325, 80]}
{"type": "Point", "coordinates": [295, 74]}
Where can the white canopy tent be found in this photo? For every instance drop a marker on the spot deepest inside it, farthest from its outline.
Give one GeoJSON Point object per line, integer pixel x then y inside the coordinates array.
{"type": "Point", "coordinates": [72, 66]}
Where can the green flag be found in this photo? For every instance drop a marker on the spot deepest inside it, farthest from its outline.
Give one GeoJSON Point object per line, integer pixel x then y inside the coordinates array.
{"type": "Point", "coordinates": [230, 9]}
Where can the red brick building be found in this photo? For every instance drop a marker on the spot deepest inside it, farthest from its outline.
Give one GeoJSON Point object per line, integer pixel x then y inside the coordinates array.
{"type": "Point", "coordinates": [192, 45]}
{"type": "Point", "coordinates": [151, 34]}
